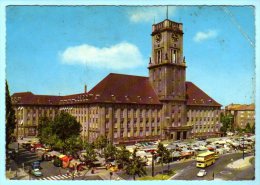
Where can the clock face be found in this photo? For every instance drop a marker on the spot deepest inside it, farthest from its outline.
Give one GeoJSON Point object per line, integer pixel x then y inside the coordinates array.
{"type": "Point", "coordinates": [175, 37]}
{"type": "Point", "coordinates": [158, 37]}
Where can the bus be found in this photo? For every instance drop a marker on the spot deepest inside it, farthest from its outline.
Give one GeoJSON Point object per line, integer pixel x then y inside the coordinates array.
{"type": "Point", "coordinates": [205, 159]}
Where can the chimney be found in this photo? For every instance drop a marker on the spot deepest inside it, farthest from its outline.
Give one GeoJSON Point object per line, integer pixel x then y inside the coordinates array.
{"type": "Point", "coordinates": [85, 88]}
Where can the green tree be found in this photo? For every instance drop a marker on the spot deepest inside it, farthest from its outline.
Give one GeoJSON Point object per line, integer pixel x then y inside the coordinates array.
{"type": "Point", "coordinates": [101, 142]}
{"type": "Point", "coordinates": [65, 126]}
{"type": "Point", "coordinates": [47, 135]}
{"type": "Point", "coordinates": [167, 158]}
{"type": "Point", "coordinates": [73, 144]}
{"type": "Point", "coordinates": [135, 166]}
{"type": "Point", "coordinates": [110, 152]}
{"type": "Point", "coordinates": [10, 122]}
{"type": "Point", "coordinates": [89, 154]}
{"type": "Point", "coordinates": [253, 129]}
{"type": "Point", "coordinates": [227, 123]}
{"type": "Point", "coordinates": [164, 154]}
{"type": "Point", "coordinates": [45, 130]}
{"type": "Point", "coordinates": [123, 156]}
{"type": "Point", "coordinates": [248, 128]}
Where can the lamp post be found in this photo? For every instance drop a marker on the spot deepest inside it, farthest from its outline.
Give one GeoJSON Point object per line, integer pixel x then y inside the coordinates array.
{"type": "Point", "coordinates": [152, 164]}
{"type": "Point", "coordinates": [243, 139]}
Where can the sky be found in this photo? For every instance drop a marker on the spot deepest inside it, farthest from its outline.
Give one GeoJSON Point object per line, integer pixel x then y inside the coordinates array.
{"type": "Point", "coordinates": [58, 49]}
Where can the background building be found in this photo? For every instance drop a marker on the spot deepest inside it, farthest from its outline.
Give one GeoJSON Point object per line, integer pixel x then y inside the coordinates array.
{"type": "Point", "coordinates": [128, 108]}
{"type": "Point", "coordinates": [243, 114]}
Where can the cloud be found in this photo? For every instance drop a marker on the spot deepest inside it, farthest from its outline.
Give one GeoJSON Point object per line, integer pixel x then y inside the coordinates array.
{"type": "Point", "coordinates": [201, 36]}
{"type": "Point", "coordinates": [148, 14]}
{"type": "Point", "coordinates": [120, 56]}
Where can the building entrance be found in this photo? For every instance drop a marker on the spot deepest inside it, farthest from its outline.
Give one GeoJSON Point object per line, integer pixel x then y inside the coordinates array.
{"type": "Point", "coordinates": [178, 135]}
{"type": "Point", "coordinates": [185, 135]}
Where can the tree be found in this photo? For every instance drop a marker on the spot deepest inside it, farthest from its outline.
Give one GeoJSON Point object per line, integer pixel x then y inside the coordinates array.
{"type": "Point", "coordinates": [47, 135]}
{"type": "Point", "coordinates": [45, 132]}
{"type": "Point", "coordinates": [89, 154]}
{"type": "Point", "coordinates": [164, 154]}
{"type": "Point", "coordinates": [248, 128]}
{"type": "Point", "coordinates": [253, 129]}
{"type": "Point", "coordinates": [65, 126]}
{"type": "Point", "coordinates": [110, 152]}
{"type": "Point", "coordinates": [73, 144]}
{"type": "Point", "coordinates": [123, 156]}
{"type": "Point", "coordinates": [135, 166]}
{"type": "Point", "coordinates": [10, 122]}
{"type": "Point", "coordinates": [227, 123]}
{"type": "Point", "coordinates": [101, 142]}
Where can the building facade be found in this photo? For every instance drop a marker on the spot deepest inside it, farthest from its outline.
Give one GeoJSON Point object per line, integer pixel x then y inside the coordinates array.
{"type": "Point", "coordinates": [128, 108]}
{"type": "Point", "coordinates": [243, 114]}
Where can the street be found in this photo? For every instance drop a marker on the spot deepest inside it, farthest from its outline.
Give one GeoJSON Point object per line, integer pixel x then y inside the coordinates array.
{"type": "Point", "coordinates": [185, 169]}
{"type": "Point", "coordinates": [219, 168]}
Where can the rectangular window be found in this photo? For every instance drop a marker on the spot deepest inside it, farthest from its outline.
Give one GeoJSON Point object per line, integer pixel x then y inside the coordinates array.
{"type": "Point", "coordinates": [159, 56]}
{"type": "Point", "coordinates": [173, 55]}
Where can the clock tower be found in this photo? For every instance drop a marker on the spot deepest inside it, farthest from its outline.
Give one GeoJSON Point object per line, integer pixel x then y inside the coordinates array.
{"type": "Point", "coordinates": [167, 74]}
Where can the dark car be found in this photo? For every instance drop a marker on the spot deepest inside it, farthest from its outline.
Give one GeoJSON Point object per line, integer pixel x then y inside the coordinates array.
{"type": "Point", "coordinates": [36, 165]}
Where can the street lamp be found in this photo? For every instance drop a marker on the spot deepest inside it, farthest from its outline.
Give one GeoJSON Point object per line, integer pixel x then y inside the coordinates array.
{"type": "Point", "coordinates": [243, 139]}
{"type": "Point", "coordinates": [153, 164]}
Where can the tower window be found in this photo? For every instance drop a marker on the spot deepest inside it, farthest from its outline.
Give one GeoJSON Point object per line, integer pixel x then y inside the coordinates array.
{"type": "Point", "coordinates": [173, 55]}
{"type": "Point", "coordinates": [159, 56]}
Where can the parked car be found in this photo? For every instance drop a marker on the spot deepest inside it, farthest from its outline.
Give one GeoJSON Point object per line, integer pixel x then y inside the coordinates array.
{"type": "Point", "coordinates": [36, 172]}
{"type": "Point", "coordinates": [202, 173]}
{"type": "Point", "coordinates": [36, 165]}
{"type": "Point", "coordinates": [12, 154]}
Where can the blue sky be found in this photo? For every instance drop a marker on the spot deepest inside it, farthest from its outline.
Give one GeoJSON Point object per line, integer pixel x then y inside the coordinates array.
{"type": "Point", "coordinates": [52, 50]}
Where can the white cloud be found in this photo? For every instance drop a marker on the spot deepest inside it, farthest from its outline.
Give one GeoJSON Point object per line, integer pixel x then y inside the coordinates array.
{"type": "Point", "coordinates": [201, 36]}
{"type": "Point", "coordinates": [148, 14]}
{"type": "Point", "coordinates": [120, 56]}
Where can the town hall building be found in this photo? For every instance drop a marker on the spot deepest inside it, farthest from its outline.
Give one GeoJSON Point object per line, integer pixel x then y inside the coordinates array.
{"type": "Point", "coordinates": [129, 109]}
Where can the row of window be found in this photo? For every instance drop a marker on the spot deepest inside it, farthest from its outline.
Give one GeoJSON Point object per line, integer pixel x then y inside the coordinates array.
{"type": "Point", "coordinates": [136, 134]}
{"type": "Point", "coordinates": [173, 56]}
{"type": "Point", "coordinates": [203, 119]}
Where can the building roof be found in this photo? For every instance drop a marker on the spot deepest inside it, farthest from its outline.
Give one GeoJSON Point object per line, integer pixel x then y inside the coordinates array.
{"type": "Point", "coordinates": [241, 107]}
{"type": "Point", "coordinates": [117, 88]}
{"type": "Point", "coordinates": [29, 98]}
{"type": "Point", "coordinates": [124, 89]}
{"type": "Point", "coordinates": [197, 97]}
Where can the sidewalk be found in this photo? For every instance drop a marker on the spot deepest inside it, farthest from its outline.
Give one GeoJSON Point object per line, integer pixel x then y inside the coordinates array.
{"type": "Point", "coordinates": [104, 174]}
{"type": "Point", "coordinates": [241, 163]}
{"type": "Point", "coordinates": [20, 174]}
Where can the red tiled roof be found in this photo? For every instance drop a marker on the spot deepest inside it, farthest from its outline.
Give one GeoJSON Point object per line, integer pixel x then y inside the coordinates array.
{"type": "Point", "coordinates": [195, 96]}
{"type": "Point", "coordinates": [120, 88]}
{"type": "Point", "coordinates": [29, 98]}
{"type": "Point", "coordinates": [117, 88]}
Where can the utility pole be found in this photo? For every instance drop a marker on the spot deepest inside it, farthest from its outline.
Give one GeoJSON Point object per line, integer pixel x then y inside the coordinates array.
{"type": "Point", "coordinates": [243, 139]}
{"type": "Point", "coordinates": [152, 164]}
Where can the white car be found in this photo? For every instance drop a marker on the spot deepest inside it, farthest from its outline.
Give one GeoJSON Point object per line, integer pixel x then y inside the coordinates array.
{"type": "Point", "coordinates": [201, 173]}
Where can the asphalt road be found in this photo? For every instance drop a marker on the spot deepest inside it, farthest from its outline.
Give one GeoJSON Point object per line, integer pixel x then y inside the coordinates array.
{"type": "Point", "coordinates": [186, 170]}
{"type": "Point", "coordinates": [219, 169]}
